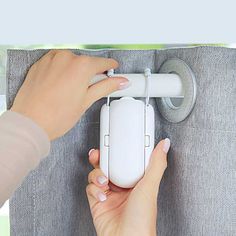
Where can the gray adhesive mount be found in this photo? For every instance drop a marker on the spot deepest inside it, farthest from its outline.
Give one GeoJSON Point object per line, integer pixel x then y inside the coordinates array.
{"type": "Point", "coordinates": [167, 106]}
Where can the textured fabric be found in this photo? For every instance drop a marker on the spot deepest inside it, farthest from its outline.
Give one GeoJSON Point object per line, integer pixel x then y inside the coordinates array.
{"type": "Point", "coordinates": [198, 191]}
{"type": "Point", "coordinates": [22, 145]}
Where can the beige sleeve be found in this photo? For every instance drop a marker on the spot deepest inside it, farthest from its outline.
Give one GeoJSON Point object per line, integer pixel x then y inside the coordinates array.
{"type": "Point", "coordinates": [22, 145]}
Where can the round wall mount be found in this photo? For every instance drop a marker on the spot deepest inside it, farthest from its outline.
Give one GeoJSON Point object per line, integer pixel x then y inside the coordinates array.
{"type": "Point", "coordinates": [177, 109]}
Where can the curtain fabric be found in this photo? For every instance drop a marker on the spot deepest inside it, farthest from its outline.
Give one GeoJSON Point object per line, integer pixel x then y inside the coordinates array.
{"type": "Point", "coordinates": [198, 192]}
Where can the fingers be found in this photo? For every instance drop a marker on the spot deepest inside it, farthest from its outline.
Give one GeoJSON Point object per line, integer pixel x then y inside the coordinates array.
{"type": "Point", "coordinates": [156, 167]}
{"type": "Point", "coordinates": [97, 177]}
{"type": "Point", "coordinates": [53, 52]}
{"type": "Point", "coordinates": [100, 181]}
{"type": "Point", "coordinates": [95, 194]}
{"type": "Point", "coordinates": [94, 158]}
{"type": "Point", "coordinates": [100, 64]}
{"type": "Point", "coordinates": [49, 55]}
{"type": "Point", "coordinates": [106, 87]}
{"type": "Point", "coordinates": [95, 65]}
{"type": "Point", "coordinates": [98, 187]}
{"type": "Point", "coordinates": [143, 198]}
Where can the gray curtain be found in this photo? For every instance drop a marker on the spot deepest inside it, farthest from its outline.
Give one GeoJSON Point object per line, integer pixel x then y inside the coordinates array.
{"type": "Point", "coordinates": [198, 191]}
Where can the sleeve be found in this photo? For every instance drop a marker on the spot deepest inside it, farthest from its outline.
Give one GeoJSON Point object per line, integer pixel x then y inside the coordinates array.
{"type": "Point", "coordinates": [23, 144]}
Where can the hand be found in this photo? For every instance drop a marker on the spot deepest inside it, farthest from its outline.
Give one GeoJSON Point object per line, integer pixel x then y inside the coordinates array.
{"type": "Point", "coordinates": [120, 212]}
{"type": "Point", "coordinates": [56, 90]}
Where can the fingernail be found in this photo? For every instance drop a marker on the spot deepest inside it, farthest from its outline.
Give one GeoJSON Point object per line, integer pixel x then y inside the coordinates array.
{"type": "Point", "coordinates": [166, 145]}
{"type": "Point", "coordinates": [90, 151]}
{"type": "Point", "coordinates": [102, 197]}
{"type": "Point", "coordinates": [101, 180]}
{"type": "Point", "coordinates": [124, 84]}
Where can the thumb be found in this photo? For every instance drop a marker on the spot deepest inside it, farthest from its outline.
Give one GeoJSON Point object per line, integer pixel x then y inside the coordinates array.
{"type": "Point", "coordinates": [106, 87]}
{"type": "Point", "coordinates": [156, 168]}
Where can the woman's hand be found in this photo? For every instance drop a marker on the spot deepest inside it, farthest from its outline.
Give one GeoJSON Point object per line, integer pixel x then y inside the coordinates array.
{"type": "Point", "coordinates": [56, 90]}
{"type": "Point", "coordinates": [120, 212]}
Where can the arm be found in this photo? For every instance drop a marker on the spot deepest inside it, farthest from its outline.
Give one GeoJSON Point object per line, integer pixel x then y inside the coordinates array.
{"type": "Point", "coordinates": [22, 145]}
{"type": "Point", "coordinates": [54, 95]}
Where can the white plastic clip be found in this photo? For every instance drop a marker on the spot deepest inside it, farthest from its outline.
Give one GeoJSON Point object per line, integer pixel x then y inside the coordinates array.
{"type": "Point", "coordinates": [147, 73]}
{"type": "Point", "coordinates": [110, 73]}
